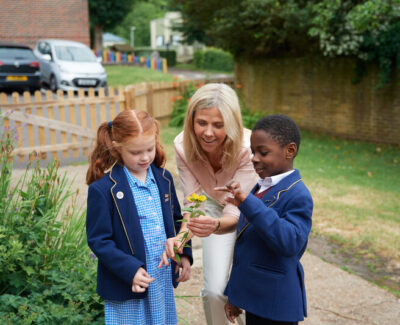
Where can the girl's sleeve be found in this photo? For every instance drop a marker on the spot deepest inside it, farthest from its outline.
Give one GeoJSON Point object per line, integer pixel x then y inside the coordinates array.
{"type": "Point", "coordinates": [100, 237]}
{"type": "Point", "coordinates": [286, 234]}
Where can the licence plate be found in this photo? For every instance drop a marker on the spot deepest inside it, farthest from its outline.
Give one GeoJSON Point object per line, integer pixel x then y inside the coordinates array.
{"type": "Point", "coordinates": [17, 78]}
{"type": "Point", "coordinates": [87, 82]}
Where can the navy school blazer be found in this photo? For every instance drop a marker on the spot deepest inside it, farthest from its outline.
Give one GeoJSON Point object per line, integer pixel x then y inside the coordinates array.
{"type": "Point", "coordinates": [267, 278]}
{"type": "Point", "coordinates": [114, 233]}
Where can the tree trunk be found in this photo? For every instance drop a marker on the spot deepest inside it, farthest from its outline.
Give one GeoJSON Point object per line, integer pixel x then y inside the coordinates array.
{"type": "Point", "coordinates": [98, 37]}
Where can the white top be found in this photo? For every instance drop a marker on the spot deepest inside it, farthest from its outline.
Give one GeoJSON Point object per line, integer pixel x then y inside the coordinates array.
{"type": "Point", "coordinates": [268, 182]}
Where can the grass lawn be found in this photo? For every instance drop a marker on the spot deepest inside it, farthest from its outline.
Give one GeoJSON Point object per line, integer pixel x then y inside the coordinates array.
{"type": "Point", "coordinates": [123, 75]}
{"type": "Point", "coordinates": [356, 189]}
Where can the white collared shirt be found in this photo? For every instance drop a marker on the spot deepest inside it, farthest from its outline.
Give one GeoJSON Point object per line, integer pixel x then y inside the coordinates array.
{"type": "Point", "coordinates": [268, 182]}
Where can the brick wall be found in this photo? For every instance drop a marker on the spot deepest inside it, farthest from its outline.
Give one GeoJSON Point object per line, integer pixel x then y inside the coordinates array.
{"type": "Point", "coordinates": [318, 94]}
{"type": "Point", "coordinates": [27, 21]}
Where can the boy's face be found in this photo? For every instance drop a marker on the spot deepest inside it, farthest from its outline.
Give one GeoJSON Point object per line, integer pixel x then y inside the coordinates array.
{"type": "Point", "coordinates": [269, 157]}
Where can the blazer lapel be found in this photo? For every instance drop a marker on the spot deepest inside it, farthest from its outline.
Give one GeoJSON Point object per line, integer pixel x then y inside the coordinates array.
{"type": "Point", "coordinates": [124, 202]}
{"type": "Point", "coordinates": [164, 188]}
{"type": "Point", "coordinates": [270, 198]}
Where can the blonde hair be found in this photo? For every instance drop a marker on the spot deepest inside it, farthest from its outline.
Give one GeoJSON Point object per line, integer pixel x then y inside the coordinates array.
{"type": "Point", "coordinates": [111, 135]}
{"type": "Point", "coordinates": [225, 99]}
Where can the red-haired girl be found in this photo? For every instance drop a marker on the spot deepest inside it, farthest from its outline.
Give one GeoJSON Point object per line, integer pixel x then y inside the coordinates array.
{"type": "Point", "coordinates": [132, 208]}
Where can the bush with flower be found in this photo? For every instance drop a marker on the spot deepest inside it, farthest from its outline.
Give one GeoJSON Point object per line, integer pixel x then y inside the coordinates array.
{"type": "Point", "coordinates": [47, 273]}
{"type": "Point", "coordinates": [180, 105]}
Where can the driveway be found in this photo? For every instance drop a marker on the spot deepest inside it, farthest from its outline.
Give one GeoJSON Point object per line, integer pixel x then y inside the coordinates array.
{"type": "Point", "coordinates": [193, 75]}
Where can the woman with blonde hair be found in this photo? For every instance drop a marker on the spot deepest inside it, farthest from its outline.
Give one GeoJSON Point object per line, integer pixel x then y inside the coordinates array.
{"type": "Point", "coordinates": [213, 149]}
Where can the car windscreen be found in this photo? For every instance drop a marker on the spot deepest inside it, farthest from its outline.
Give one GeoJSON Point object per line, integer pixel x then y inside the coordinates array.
{"type": "Point", "coordinates": [16, 53]}
{"type": "Point", "coordinates": [74, 53]}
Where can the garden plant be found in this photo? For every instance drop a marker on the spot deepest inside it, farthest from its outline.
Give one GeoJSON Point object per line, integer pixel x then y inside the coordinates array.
{"type": "Point", "coordinates": [47, 271]}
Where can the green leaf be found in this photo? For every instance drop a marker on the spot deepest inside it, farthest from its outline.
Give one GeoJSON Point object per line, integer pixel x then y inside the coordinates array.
{"type": "Point", "coordinates": [177, 257]}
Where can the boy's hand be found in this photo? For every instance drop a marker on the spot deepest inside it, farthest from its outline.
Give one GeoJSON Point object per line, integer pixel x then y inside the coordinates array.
{"type": "Point", "coordinates": [233, 187]}
{"type": "Point", "coordinates": [141, 280]}
{"type": "Point", "coordinates": [185, 266]}
{"type": "Point", "coordinates": [232, 312]}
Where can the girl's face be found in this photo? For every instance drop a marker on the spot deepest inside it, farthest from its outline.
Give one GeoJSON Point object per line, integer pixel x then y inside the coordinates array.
{"type": "Point", "coordinates": [138, 153]}
{"type": "Point", "coordinates": [269, 157]}
{"type": "Point", "coordinates": [209, 129]}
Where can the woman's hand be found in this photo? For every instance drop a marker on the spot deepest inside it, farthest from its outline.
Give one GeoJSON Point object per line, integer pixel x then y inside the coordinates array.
{"type": "Point", "coordinates": [232, 312]}
{"type": "Point", "coordinates": [233, 188]}
{"type": "Point", "coordinates": [141, 280]}
{"type": "Point", "coordinates": [202, 226]}
{"type": "Point", "coordinates": [185, 266]}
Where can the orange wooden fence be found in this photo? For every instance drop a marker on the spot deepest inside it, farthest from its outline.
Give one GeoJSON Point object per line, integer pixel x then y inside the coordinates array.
{"type": "Point", "coordinates": [64, 126]}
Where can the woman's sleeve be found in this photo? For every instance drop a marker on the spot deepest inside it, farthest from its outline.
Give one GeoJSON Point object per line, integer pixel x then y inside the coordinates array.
{"type": "Point", "coordinates": [246, 176]}
{"type": "Point", "coordinates": [189, 182]}
{"type": "Point", "coordinates": [100, 237]}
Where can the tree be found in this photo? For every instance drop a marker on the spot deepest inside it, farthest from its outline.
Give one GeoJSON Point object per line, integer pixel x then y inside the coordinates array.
{"type": "Point", "coordinates": [366, 29]}
{"type": "Point", "coordinates": [247, 27]}
{"type": "Point", "coordinates": [105, 14]}
{"type": "Point", "coordinates": [140, 15]}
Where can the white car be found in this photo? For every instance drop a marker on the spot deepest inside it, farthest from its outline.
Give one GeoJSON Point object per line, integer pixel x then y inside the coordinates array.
{"type": "Point", "coordinates": [69, 65]}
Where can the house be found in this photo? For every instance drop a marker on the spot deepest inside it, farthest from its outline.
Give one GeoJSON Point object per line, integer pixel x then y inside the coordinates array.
{"type": "Point", "coordinates": [27, 21]}
{"type": "Point", "coordinates": [111, 39]}
{"type": "Point", "coordinates": [164, 37]}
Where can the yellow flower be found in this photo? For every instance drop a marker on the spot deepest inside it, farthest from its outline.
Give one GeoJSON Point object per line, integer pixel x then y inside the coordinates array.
{"type": "Point", "coordinates": [196, 198]}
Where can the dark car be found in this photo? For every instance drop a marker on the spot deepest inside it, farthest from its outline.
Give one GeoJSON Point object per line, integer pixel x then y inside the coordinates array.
{"type": "Point", "coordinates": [19, 67]}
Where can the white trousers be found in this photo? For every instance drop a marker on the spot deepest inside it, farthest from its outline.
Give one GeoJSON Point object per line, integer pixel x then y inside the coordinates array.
{"type": "Point", "coordinates": [217, 260]}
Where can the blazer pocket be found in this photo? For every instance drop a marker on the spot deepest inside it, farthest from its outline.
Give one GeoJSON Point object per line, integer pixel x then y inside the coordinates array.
{"type": "Point", "coordinates": [269, 271]}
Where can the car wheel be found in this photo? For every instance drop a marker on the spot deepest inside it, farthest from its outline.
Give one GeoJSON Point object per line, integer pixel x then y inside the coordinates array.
{"type": "Point", "coordinates": [53, 84]}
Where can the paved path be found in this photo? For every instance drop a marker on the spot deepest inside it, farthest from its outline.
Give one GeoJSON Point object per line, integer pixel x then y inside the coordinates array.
{"type": "Point", "coordinates": [193, 75]}
{"type": "Point", "coordinates": [335, 297]}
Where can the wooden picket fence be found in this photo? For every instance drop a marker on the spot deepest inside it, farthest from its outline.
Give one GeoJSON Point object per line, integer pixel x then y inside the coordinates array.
{"type": "Point", "coordinates": [63, 125]}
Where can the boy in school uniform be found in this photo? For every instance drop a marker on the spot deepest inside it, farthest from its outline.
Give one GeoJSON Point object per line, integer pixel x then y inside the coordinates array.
{"type": "Point", "coordinates": [267, 278]}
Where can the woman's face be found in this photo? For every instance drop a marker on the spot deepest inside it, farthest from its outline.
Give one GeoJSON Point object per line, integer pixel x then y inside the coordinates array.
{"type": "Point", "coordinates": [209, 129]}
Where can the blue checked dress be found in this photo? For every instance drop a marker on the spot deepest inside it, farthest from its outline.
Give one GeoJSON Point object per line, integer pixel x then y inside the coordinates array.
{"type": "Point", "coordinates": [158, 308]}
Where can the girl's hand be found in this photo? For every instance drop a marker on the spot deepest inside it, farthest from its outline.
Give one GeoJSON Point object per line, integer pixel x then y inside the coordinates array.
{"type": "Point", "coordinates": [232, 312]}
{"type": "Point", "coordinates": [185, 266]}
{"type": "Point", "coordinates": [202, 226]}
{"type": "Point", "coordinates": [233, 187]}
{"type": "Point", "coordinates": [169, 250]}
{"type": "Point", "coordinates": [141, 280]}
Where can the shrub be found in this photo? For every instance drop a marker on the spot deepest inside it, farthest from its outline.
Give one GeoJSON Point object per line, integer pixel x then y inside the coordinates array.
{"type": "Point", "coordinates": [180, 106]}
{"type": "Point", "coordinates": [250, 118]}
{"type": "Point", "coordinates": [47, 273]}
{"type": "Point", "coordinates": [214, 59]}
{"type": "Point", "coordinates": [170, 55]}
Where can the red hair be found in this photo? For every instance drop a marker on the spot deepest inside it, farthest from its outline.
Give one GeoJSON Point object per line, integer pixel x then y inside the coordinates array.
{"type": "Point", "coordinates": [126, 124]}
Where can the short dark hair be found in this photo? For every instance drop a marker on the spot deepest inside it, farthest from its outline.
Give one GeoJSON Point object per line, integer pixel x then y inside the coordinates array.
{"type": "Point", "coordinates": [281, 128]}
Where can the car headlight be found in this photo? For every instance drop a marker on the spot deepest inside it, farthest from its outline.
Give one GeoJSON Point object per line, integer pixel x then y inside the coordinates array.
{"type": "Point", "coordinates": [63, 70]}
